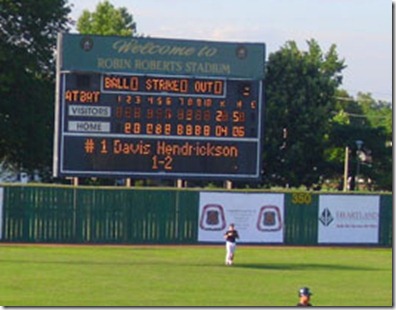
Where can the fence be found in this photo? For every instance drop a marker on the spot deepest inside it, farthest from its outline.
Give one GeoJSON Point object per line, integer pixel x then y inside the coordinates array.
{"type": "Point", "coordinates": [147, 216]}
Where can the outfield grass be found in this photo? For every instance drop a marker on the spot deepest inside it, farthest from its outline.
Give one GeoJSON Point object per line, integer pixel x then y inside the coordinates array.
{"type": "Point", "coordinates": [192, 276]}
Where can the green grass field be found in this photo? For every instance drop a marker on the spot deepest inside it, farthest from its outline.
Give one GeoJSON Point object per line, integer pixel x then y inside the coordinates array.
{"type": "Point", "coordinates": [32, 275]}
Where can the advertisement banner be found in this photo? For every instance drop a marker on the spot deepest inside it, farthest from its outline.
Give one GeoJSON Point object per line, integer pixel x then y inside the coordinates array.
{"type": "Point", "coordinates": [258, 218]}
{"type": "Point", "coordinates": [348, 219]}
{"type": "Point", "coordinates": [1, 212]}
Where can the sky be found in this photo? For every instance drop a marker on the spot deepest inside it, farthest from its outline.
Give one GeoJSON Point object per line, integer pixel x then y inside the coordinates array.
{"type": "Point", "coordinates": [361, 29]}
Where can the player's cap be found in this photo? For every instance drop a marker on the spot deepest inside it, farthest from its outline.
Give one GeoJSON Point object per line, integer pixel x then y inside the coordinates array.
{"type": "Point", "coordinates": [304, 291]}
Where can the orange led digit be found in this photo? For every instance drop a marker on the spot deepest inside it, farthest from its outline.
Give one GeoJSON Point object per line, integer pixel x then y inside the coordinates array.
{"type": "Point", "coordinates": [82, 96]}
{"type": "Point", "coordinates": [209, 87]}
{"type": "Point", "coordinates": [171, 85]}
{"type": "Point", "coordinates": [128, 83]}
{"type": "Point", "coordinates": [167, 85]}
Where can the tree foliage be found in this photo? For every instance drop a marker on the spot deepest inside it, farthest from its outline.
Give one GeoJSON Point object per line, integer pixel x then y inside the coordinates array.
{"type": "Point", "coordinates": [107, 20]}
{"type": "Point", "coordinates": [369, 121]}
{"type": "Point", "coordinates": [28, 31]}
{"type": "Point", "coordinates": [300, 95]}
{"type": "Point", "coordinates": [378, 113]}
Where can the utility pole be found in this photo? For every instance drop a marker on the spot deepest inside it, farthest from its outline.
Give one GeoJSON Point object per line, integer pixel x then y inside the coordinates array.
{"type": "Point", "coordinates": [346, 165]}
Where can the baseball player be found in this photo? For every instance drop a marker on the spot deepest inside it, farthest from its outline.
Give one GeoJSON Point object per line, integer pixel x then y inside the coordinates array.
{"type": "Point", "coordinates": [305, 295]}
{"type": "Point", "coordinates": [230, 236]}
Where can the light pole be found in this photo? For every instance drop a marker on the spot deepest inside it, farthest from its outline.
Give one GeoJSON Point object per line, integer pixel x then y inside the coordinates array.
{"type": "Point", "coordinates": [359, 144]}
{"type": "Point", "coordinates": [346, 164]}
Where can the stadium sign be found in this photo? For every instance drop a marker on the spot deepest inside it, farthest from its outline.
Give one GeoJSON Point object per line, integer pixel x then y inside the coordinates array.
{"type": "Point", "coordinates": [144, 107]}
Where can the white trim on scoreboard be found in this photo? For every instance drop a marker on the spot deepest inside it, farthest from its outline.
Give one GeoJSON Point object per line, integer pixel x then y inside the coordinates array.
{"type": "Point", "coordinates": [84, 111]}
{"type": "Point", "coordinates": [85, 126]}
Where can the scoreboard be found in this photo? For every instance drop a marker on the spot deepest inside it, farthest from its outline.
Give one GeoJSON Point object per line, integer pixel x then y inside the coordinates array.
{"type": "Point", "coordinates": [173, 114]}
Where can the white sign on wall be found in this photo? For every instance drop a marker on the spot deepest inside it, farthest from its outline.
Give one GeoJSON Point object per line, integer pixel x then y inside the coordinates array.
{"type": "Point", "coordinates": [258, 218]}
{"type": "Point", "coordinates": [348, 219]}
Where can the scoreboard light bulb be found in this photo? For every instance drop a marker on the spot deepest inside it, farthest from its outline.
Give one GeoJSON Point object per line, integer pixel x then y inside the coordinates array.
{"type": "Point", "coordinates": [246, 91]}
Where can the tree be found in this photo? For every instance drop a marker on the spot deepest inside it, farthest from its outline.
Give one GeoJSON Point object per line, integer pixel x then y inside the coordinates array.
{"type": "Point", "coordinates": [379, 113]}
{"type": "Point", "coordinates": [369, 121]}
{"type": "Point", "coordinates": [28, 32]}
{"type": "Point", "coordinates": [107, 20]}
{"type": "Point", "coordinates": [300, 95]}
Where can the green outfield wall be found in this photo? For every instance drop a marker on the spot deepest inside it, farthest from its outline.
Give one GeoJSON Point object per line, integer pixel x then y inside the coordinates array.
{"type": "Point", "coordinates": [52, 214]}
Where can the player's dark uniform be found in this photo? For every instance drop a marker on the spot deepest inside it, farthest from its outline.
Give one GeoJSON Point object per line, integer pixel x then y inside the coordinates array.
{"type": "Point", "coordinates": [231, 235]}
{"type": "Point", "coordinates": [302, 305]}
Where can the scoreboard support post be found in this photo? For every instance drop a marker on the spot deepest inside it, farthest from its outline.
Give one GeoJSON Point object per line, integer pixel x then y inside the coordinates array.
{"type": "Point", "coordinates": [179, 183]}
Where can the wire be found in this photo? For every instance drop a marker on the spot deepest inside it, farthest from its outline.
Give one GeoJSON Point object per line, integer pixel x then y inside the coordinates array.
{"type": "Point", "coordinates": [360, 115]}
{"type": "Point", "coordinates": [360, 99]}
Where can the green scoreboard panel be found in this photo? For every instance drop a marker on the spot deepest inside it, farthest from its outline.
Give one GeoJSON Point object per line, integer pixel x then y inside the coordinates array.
{"type": "Point", "coordinates": [130, 107]}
